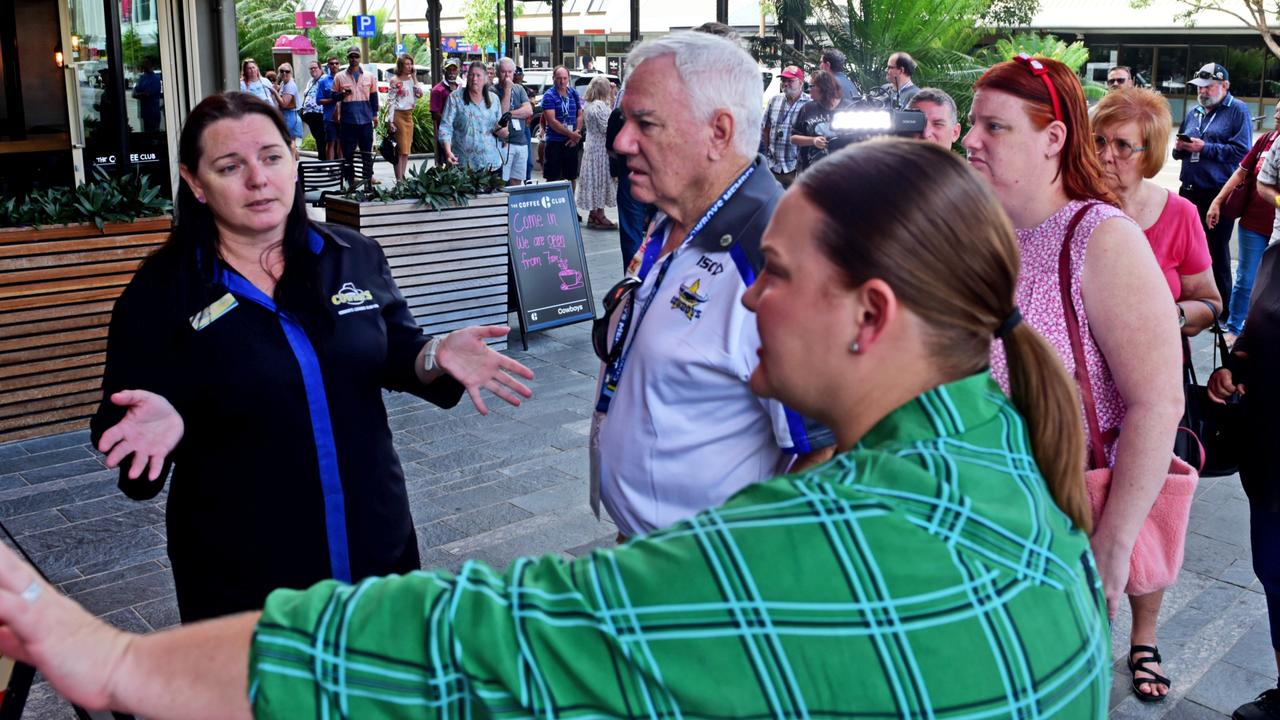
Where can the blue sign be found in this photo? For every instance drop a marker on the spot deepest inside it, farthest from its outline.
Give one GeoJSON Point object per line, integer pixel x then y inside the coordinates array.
{"type": "Point", "coordinates": [364, 26]}
{"type": "Point", "coordinates": [399, 49]}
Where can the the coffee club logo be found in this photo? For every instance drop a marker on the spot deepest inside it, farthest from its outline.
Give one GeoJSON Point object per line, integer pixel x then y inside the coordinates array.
{"type": "Point", "coordinates": [351, 295]}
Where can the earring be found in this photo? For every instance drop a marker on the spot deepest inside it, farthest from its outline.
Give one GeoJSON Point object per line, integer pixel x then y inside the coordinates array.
{"type": "Point", "coordinates": [853, 347]}
{"type": "Point", "coordinates": [200, 199]}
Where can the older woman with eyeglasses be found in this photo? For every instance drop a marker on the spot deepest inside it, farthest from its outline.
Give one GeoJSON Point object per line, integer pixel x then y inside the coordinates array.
{"type": "Point", "coordinates": [1131, 131]}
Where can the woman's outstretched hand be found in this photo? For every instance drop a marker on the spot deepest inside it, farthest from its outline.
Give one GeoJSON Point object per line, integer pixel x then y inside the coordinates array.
{"type": "Point", "coordinates": [75, 651]}
{"type": "Point", "coordinates": [150, 430]}
{"type": "Point", "coordinates": [464, 355]}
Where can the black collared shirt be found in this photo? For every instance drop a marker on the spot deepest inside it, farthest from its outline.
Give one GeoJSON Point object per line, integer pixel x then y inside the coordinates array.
{"type": "Point", "coordinates": [260, 486]}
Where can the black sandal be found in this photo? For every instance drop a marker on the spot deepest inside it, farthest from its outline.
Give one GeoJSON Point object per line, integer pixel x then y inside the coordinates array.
{"type": "Point", "coordinates": [1141, 666]}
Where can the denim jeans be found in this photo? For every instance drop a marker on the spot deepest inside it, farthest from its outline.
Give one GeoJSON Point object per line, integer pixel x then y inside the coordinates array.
{"type": "Point", "coordinates": [1251, 246]}
{"type": "Point", "coordinates": [633, 216]}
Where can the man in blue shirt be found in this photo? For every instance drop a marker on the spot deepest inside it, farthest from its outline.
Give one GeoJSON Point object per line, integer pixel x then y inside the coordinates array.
{"type": "Point", "coordinates": [324, 96]}
{"type": "Point", "coordinates": [1212, 140]}
{"type": "Point", "coordinates": [562, 114]}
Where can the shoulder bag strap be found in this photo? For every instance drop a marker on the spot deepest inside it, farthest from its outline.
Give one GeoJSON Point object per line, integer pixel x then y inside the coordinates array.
{"type": "Point", "coordinates": [1097, 454]}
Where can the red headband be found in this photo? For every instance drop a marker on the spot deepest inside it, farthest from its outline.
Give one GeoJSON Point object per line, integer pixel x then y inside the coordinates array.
{"type": "Point", "coordinates": [1039, 70]}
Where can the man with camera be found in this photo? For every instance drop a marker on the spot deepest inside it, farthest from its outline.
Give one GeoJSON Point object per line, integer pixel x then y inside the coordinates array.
{"type": "Point", "coordinates": [517, 108]}
{"type": "Point", "coordinates": [677, 429]}
{"type": "Point", "coordinates": [1212, 140]}
{"type": "Point", "coordinates": [779, 118]}
{"type": "Point", "coordinates": [357, 92]}
{"type": "Point", "coordinates": [941, 121]}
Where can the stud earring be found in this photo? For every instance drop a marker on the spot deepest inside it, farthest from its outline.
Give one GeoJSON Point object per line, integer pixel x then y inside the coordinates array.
{"type": "Point", "coordinates": [200, 199]}
{"type": "Point", "coordinates": [853, 347]}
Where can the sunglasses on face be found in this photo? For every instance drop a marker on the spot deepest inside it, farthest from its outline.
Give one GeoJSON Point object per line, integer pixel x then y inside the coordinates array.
{"type": "Point", "coordinates": [1122, 149]}
{"type": "Point", "coordinates": [1117, 81]}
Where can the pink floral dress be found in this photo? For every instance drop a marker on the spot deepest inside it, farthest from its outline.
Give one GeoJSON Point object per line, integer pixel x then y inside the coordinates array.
{"type": "Point", "coordinates": [1039, 297]}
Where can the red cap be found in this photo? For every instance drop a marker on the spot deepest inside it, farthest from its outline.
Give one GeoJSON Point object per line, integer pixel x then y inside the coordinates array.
{"type": "Point", "coordinates": [792, 71]}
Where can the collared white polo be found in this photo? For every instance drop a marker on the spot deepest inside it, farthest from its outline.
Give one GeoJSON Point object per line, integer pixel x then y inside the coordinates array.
{"type": "Point", "coordinates": [684, 432]}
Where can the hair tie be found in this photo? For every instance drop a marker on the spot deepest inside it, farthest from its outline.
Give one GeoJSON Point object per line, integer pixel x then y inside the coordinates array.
{"type": "Point", "coordinates": [1010, 322]}
{"type": "Point", "coordinates": [1039, 70]}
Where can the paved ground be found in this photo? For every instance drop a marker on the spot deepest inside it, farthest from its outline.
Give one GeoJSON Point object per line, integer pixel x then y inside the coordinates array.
{"type": "Point", "coordinates": [514, 483]}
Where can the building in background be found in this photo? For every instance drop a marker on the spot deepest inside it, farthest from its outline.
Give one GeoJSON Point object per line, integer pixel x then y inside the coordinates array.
{"type": "Point", "coordinates": [91, 84]}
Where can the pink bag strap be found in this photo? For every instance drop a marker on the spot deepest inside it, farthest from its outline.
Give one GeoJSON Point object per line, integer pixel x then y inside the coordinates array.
{"type": "Point", "coordinates": [1097, 448]}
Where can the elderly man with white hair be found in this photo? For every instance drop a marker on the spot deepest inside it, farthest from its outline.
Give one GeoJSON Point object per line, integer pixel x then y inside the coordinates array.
{"type": "Point", "coordinates": [677, 345]}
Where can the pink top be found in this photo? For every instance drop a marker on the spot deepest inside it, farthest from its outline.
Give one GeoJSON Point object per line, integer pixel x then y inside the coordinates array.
{"type": "Point", "coordinates": [1177, 239]}
{"type": "Point", "coordinates": [1040, 301]}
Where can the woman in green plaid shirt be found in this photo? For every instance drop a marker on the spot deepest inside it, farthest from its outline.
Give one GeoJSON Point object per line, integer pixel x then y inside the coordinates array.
{"type": "Point", "coordinates": [937, 567]}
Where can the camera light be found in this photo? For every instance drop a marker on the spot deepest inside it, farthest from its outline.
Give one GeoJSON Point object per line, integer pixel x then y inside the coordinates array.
{"type": "Point", "coordinates": [862, 120]}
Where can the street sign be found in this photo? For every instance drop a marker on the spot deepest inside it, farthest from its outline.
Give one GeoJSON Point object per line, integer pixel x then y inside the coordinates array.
{"type": "Point", "coordinates": [304, 20]}
{"type": "Point", "coordinates": [364, 26]}
{"type": "Point", "coordinates": [399, 49]}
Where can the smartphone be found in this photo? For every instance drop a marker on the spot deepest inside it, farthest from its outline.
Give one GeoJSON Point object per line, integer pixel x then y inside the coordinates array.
{"type": "Point", "coordinates": [1184, 137]}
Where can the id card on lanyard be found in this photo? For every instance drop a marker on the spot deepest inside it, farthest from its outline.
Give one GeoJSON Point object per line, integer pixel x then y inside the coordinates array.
{"type": "Point", "coordinates": [652, 250]}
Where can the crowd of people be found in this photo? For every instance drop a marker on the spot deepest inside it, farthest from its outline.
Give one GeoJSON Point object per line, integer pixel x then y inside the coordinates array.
{"type": "Point", "coordinates": [849, 440]}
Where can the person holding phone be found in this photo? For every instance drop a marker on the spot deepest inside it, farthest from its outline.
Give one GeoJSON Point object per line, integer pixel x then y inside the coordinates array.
{"type": "Point", "coordinates": [1212, 140]}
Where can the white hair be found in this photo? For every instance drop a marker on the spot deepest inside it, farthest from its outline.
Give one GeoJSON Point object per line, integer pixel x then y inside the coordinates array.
{"type": "Point", "coordinates": [507, 61]}
{"type": "Point", "coordinates": [717, 74]}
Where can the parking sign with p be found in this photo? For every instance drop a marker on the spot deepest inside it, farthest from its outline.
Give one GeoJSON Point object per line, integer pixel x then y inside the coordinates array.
{"type": "Point", "coordinates": [364, 26]}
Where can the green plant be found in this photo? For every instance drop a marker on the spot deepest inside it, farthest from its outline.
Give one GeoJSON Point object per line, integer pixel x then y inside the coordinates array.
{"type": "Point", "coordinates": [435, 187]}
{"type": "Point", "coordinates": [1073, 56]}
{"type": "Point", "coordinates": [103, 199]}
{"type": "Point", "coordinates": [424, 130]}
{"type": "Point", "coordinates": [308, 143]}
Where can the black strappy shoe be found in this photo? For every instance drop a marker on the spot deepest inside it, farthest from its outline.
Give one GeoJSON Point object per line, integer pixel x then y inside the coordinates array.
{"type": "Point", "coordinates": [1141, 665]}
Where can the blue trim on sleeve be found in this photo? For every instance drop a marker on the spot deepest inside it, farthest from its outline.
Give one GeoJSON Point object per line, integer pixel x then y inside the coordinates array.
{"type": "Point", "coordinates": [335, 513]}
{"type": "Point", "coordinates": [743, 263]}
{"type": "Point", "coordinates": [799, 436]}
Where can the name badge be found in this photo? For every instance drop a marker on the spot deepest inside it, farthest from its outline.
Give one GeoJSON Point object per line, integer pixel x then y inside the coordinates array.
{"type": "Point", "coordinates": [216, 309]}
{"type": "Point", "coordinates": [1195, 157]}
{"type": "Point", "coordinates": [516, 126]}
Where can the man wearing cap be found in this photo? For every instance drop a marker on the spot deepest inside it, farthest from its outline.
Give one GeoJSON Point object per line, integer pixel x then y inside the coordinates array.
{"type": "Point", "coordinates": [357, 94]}
{"type": "Point", "coordinates": [1212, 140]}
{"type": "Point", "coordinates": [778, 119]}
{"type": "Point", "coordinates": [439, 96]}
{"type": "Point", "coordinates": [676, 428]}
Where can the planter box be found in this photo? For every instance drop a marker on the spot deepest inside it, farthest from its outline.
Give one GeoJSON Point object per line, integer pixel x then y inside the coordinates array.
{"type": "Point", "coordinates": [451, 264]}
{"type": "Point", "coordinates": [57, 287]}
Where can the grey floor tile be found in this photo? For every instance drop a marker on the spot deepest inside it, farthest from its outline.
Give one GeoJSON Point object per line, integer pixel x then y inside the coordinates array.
{"type": "Point", "coordinates": [34, 522]}
{"type": "Point", "coordinates": [23, 463]}
{"type": "Point", "coordinates": [1225, 687]}
{"type": "Point", "coordinates": [487, 518]}
{"type": "Point", "coordinates": [36, 446]}
{"type": "Point", "coordinates": [102, 507]}
{"type": "Point", "coordinates": [160, 613]}
{"type": "Point", "coordinates": [128, 593]}
{"type": "Point", "coordinates": [110, 578]}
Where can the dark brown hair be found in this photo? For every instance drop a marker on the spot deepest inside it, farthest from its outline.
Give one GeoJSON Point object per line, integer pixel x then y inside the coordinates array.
{"type": "Point", "coordinates": [827, 85]}
{"type": "Point", "coordinates": [951, 258]}
{"type": "Point", "coordinates": [1078, 163]}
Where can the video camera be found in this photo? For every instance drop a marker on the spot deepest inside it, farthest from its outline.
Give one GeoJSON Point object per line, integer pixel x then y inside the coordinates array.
{"type": "Point", "coordinates": [858, 124]}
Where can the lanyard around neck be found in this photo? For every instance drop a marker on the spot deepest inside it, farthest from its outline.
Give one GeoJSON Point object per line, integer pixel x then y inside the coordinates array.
{"type": "Point", "coordinates": [652, 250]}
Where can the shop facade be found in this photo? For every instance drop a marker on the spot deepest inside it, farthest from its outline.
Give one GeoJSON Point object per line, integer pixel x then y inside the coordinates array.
{"type": "Point", "coordinates": [104, 85]}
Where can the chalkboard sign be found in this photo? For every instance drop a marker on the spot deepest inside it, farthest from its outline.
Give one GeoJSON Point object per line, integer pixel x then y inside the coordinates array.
{"type": "Point", "coordinates": [548, 263]}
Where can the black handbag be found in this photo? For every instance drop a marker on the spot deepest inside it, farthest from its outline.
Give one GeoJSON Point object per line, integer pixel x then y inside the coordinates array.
{"type": "Point", "coordinates": [388, 149]}
{"type": "Point", "coordinates": [1208, 436]}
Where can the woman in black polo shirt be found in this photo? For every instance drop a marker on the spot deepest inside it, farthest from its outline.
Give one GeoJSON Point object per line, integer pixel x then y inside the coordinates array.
{"type": "Point", "coordinates": [250, 353]}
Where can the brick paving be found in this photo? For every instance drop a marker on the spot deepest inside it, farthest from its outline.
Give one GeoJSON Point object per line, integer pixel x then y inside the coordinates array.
{"type": "Point", "coordinates": [514, 483]}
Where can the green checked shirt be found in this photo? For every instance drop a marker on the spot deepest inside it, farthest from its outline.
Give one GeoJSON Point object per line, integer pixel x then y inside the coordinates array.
{"type": "Point", "coordinates": [924, 573]}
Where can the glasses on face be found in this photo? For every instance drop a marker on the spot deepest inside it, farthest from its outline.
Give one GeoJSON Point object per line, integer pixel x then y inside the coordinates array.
{"type": "Point", "coordinates": [608, 348]}
{"type": "Point", "coordinates": [1117, 81]}
{"type": "Point", "coordinates": [1122, 149]}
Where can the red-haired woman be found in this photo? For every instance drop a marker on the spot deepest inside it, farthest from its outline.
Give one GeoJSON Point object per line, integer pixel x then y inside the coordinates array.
{"type": "Point", "coordinates": [1031, 141]}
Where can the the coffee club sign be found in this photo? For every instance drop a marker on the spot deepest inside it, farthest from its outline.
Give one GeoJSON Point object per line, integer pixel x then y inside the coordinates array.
{"type": "Point", "coordinates": [138, 158]}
